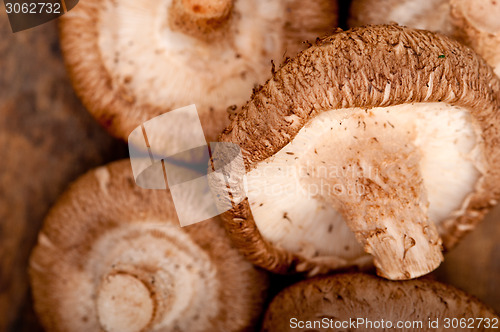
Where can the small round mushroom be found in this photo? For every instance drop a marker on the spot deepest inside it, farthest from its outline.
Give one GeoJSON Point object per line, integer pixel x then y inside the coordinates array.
{"type": "Point", "coordinates": [374, 304]}
{"type": "Point", "coordinates": [477, 24]}
{"type": "Point", "coordinates": [130, 61]}
{"type": "Point", "coordinates": [111, 257]}
{"type": "Point", "coordinates": [378, 140]}
{"type": "Point", "coordinates": [430, 15]}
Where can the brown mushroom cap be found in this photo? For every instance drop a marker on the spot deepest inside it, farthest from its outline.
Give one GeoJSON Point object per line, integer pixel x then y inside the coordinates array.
{"type": "Point", "coordinates": [353, 71]}
{"type": "Point", "coordinates": [341, 298]}
{"type": "Point", "coordinates": [430, 15]}
{"type": "Point", "coordinates": [130, 61]}
{"type": "Point", "coordinates": [112, 257]}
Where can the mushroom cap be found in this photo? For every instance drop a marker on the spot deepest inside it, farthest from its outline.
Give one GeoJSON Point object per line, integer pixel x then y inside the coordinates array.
{"type": "Point", "coordinates": [112, 257]}
{"type": "Point", "coordinates": [430, 15]}
{"type": "Point", "coordinates": [128, 64]}
{"type": "Point", "coordinates": [351, 296]}
{"type": "Point", "coordinates": [483, 15]}
{"type": "Point", "coordinates": [473, 22]}
{"type": "Point", "coordinates": [476, 24]}
{"type": "Point", "coordinates": [364, 68]}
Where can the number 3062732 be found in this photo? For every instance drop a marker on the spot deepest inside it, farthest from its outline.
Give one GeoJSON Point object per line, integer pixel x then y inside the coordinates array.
{"type": "Point", "coordinates": [33, 8]}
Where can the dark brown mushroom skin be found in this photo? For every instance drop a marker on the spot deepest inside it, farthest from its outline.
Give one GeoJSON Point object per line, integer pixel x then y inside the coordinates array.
{"type": "Point", "coordinates": [356, 295]}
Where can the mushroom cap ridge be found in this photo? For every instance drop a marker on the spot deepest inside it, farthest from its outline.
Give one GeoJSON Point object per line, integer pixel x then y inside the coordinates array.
{"type": "Point", "coordinates": [370, 58]}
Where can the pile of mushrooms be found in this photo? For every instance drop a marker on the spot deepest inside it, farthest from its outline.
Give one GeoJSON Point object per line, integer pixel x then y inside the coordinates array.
{"type": "Point", "coordinates": [375, 146]}
{"type": "Point", "coordinates": [345, 301]}
{"type": "Point", "coordinates": [111, 257]}
{"type": "Point", "coordinates": [130, 61]}
{"type": "Point", "coordinates": [378, 140]}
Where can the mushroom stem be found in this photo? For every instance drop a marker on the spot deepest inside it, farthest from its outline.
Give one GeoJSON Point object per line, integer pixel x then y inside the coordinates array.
{"type": "Point", "coordinates": [379, 189]}
{"type": "Point", "coordinates": [199, 18]}
{"type": "Point", "coordinates": [124, 304]}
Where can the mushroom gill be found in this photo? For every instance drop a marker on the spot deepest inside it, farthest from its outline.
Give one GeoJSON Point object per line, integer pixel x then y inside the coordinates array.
{"type": "Point", "coordinates": [112, 257]}
{"type": "Point", "coordinates": [130, 61]}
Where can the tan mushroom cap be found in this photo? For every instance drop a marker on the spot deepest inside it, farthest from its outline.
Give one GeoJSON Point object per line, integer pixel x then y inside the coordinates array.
{"type": "Point", "coordinates": [369, 68]}
{"type": "Point", "coordinates": [111, 257]}
{"type": "Point", "coordinates": [345, 297]}
{"type": "Point", "coordinates": [430, 15]}
{"type": "Point", "coordinates": [473, 22]}
{"type": "Point", "coordinates": [477, 24]}
{"type": "Point", "coordinates": [130, 61]}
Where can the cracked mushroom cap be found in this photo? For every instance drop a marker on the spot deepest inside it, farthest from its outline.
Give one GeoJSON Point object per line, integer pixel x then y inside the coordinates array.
{"type": "Point", "coordinates": [379, 140]}
{"type": "Point", "coordinates": [430, 15]}
{"type": "Point", "coordinates": [111, 257]}
{"type": "Point", "coordinates": [130, 61]}
{"type": "Point", "coordinates": [346, 297]}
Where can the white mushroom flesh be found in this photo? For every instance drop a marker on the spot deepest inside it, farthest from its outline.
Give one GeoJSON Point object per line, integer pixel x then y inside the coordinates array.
{"type": "Point", "coordinates": [297, 195]}
{"type": "Point", "coordinates": [148, 275]}
{"type": "Point", "coordinates": [136, 43]}
{"type": "Point", "coordinates": [124, 304]}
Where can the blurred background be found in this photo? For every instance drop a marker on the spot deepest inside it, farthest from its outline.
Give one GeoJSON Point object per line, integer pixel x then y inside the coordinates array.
{"type": "Point", "coordinates": [47, 139]}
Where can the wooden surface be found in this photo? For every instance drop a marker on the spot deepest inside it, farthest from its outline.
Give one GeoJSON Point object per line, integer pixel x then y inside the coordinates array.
{"type": "Point", "coordinates": [47, 139]}
{"type": "Point", "coordinates": [474, 265]}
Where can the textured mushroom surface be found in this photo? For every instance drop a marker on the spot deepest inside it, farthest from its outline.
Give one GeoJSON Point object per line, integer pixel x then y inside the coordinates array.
{"type": "Point", "coordinates": [112, 257]}
{"type": "Point", "coordinates": [130, 61]}
{"type": "Point", "coordinates": [410, 117]}
{"type": "Point", "coordinates": [347, 297]}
